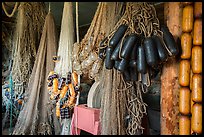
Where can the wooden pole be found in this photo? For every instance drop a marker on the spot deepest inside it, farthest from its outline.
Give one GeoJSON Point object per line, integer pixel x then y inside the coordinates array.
{"type": "Point", "coordinates": [169, 77]}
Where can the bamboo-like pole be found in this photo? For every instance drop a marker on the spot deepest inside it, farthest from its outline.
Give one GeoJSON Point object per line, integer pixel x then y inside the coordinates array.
{"type": "Point", "coordinates": [169, 77]}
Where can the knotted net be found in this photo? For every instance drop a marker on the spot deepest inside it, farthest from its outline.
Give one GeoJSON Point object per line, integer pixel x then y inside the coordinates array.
{"type": "Point", "coordinates": [85, 54]}
{"type": "Point", "coordinates": [122, 106]}
{"type": "Point", "coordinates": [36, 116]}
{"type": "Point", "coordinates": [64, 65]}
{"type": "Point", "coordinates": [28, 30]}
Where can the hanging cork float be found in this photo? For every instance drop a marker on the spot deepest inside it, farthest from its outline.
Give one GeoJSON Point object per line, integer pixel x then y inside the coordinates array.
{"type": "Point", "coordinates": [191, 25]}
{"type": "Point", "coordinates": [196, 65]}
{"type": "Point", "coordinates": [185, 64]}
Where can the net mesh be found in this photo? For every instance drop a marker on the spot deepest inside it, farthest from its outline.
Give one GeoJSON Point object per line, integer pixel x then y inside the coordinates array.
{"type": "Point", "coordinates": [64, 65]}
{"type": "Point", "coordinates": [66, 41]}
{"type": "Point", "coordinates": [122, 106]}
{"type": "Point", "coordinates": [36, 116]}
{"type": "Point", "coordinates": [85, 53]}
{"type": "Point", "coordinates": [28, 30]}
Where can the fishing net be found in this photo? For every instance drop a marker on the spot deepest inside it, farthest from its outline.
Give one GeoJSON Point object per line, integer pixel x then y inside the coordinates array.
{"type": "Point", "coordinates": [66, 41]}
{"type": "Point", "coordinates": [63, 65]}
{"type": "Point", "coordinates": [141, 18]}
{"type": "Point", "coordinates": [7, 32]}
{"type": "Point", "coordinates": [108, 79]}
{"type": "Point", "coordinates": [85, 53]}
{"type": "Point", "coordinates": [122, 106]}
{"type": "Point", "coordinates": [30, 20]}
{"type": "Point", "coordinates": [10, 106]}
{"type": "Point", "coordinates": [36, 116]}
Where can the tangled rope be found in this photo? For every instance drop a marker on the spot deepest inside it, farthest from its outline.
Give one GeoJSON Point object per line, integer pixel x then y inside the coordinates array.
{"type": "Point", "coordinates": [141, 19]}
{"type": "Point", "coordinates": [136, 108]}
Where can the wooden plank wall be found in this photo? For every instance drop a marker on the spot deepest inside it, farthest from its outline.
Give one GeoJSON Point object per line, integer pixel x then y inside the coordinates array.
{"type": "Point", "coordinates": [169, 77]}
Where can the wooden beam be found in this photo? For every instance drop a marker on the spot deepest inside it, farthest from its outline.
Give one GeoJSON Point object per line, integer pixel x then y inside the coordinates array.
{"type": "Point", "coordinates": [169, 77]}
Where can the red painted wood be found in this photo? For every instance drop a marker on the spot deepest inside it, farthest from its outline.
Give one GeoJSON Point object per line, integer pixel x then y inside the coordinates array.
{"type": "Point", "coordinates": [85, 118]}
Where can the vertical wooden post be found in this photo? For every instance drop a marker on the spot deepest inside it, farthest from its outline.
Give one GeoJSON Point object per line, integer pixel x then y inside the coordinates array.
{"type": "Point", "coordinates": [169, 77]}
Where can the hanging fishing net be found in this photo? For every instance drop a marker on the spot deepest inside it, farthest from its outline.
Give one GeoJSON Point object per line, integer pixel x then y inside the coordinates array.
{"type": "Point", "coordinates": [85, 54]}
{"type": "Point", "coordinates": [30, 21]}
{"type": "Point", "coordinates": [22, 50]}
{"type": "Point", "coordinates": [7, 32]}
{"type": "Point", "coordinates": [36, 116]}
{"type": "Point", "coordinates": [66, 40]}
{"type": "Point", "coordinates": [62, 81]}
{"type": "Point", "coordinates": [10, 105]}
{"type": "Point", "coordinates": [122, 106]}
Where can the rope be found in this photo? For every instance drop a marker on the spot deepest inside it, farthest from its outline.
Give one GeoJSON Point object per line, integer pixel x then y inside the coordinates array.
{"type": "Point", "coordinates": [13, 11]}
{"type": "Point", "coordinates": [77, 32]}
{"type": "Point", "coordinates": [77, 22]}
{"type": "Point", "coordinates": [139, 21]}
{"type": "Point", "coordinates": [49, 7]}
{"type": "Point", "coordinates": [76, 122]}
{"type": "Point", "coordinates": [136, 108]}
{"type": "Point", "coordinates": [127, 85]}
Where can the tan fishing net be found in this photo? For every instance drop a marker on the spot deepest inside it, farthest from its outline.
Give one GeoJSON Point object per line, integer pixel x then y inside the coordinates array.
{"type": "Point", "coordinates": [86, 61]}
{"type": "Point", "coordinates": [122, 106]}
{"type": "Point", "coordinates": [30, 21]}
{"type": "Point", "coordinates": [36, 116]}
{"type": "Point", "coordinates": [85, 53]}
